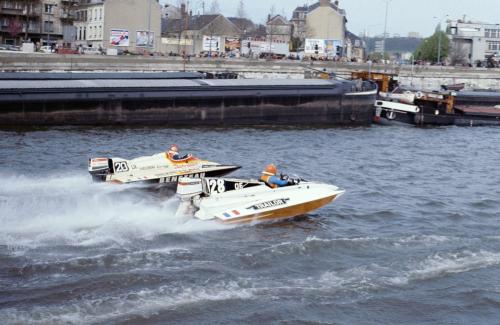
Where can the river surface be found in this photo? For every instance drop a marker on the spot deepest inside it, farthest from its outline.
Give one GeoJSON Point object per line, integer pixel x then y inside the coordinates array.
{"type": "Point", "coordinates": [415, 240]}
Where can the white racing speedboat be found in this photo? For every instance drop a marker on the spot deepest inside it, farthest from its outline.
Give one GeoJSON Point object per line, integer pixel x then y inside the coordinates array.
{"type": "Point", "coordinates": [156, 169]}
{"type": "Point", "coordinates": [240, 201]}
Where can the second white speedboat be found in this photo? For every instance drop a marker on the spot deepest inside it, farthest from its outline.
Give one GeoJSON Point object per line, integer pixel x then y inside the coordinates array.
{"type": "Point", "coordinates": [240, 201]}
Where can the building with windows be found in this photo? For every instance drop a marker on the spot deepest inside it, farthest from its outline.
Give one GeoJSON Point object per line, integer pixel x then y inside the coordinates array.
{"type": "Point", "coordinates": [195, 34]}
{"type": "Point", "coordinates": [44, 22]}
{"type": "Point", "coordinates": [473, 42]}
{"type": "Point", "coordinates": [321, 29]}
{"type": "Point", "coordinates": [278, 29]}
{"type": "Point", "coordinates": [132, 25]}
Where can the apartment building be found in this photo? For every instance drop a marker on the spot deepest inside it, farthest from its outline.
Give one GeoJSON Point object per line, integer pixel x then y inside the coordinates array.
{"type": "Point", "coordinates": [45, 22]}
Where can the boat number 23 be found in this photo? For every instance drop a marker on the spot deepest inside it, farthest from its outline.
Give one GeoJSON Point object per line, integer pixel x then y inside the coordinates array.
{"type": "Point", "coordinates": [216, 185]}
{"type": "Point", "coordinates": [121, 167]}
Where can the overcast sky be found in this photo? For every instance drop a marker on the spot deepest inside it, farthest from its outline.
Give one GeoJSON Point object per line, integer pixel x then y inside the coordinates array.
{"type": "Point", "coordinates": [404, 15]}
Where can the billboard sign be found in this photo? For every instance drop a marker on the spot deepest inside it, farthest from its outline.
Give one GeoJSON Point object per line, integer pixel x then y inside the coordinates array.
{"type": "Point", "coordinates": [119, 37]}
{"type": "Point", "coordinates": [142, 39]}
{"type": "Point", "coordinates": [211, 43]}
{"type": "Point", "coordinates": [232, 45]}
{"type": "Point", "coordinates": [322, 46]}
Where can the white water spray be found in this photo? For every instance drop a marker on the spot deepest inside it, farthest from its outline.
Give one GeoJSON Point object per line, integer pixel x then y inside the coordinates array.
{"type": "Point", "coordinates": [71, 210]}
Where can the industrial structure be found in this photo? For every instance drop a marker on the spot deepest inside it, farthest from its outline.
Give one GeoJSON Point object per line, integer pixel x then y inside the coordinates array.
{"type": "Point", "coordinates": [473, 42]}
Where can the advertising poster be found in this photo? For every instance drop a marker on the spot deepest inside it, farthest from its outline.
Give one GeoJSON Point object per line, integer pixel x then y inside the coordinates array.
{"type": "Point", "coordinates": [211, 43]}
{"type": "Point", "coordinates": [142, 39]}
{"type": "Point", "coordinates": [324, 46]}
{"type": "Point", "coordinates": [232, 45]}
{"type": "Point", "coordinates": [119, 37]}
{"type": "Point", "coordinates": [310, 46]}
{"type": "Point", "coordinates": [331, 47]}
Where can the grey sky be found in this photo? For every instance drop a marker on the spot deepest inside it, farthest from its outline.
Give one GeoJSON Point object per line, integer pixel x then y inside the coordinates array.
{"type": "Point", "coordinates": [404, 15]}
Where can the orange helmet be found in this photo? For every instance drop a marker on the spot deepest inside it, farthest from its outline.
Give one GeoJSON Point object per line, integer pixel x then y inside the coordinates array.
{"type": "Point", "coordinates": [174, 148]}
{"type": "Point", "coordinates": [271, 170]}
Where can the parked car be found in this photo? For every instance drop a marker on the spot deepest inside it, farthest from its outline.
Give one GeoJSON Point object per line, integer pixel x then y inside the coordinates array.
{"type": "Point", "coordinates": [92, 51]}
{"type": "Point", "coordinates": [46, 49]}
{"type": "Point", "coordinates": [9, 47]}
{"type": "Point", "coordinates": [65, 50]}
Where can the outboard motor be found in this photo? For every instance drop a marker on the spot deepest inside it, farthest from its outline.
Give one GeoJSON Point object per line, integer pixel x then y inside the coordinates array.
{"type": "Point", "coordinates": [189, 191]}
{"type": "Point", "coordinates": [99, 168]}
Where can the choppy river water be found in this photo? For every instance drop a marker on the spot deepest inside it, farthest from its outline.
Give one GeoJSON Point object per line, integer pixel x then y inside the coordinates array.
{"type": "Point", "coordinates": [415, 240]}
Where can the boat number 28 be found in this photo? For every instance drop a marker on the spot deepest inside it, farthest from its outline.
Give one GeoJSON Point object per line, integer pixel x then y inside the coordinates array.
{"type": "Point", "coordinates": [216, 185]}
{"type": "Point", "coordinates": [121, 167]}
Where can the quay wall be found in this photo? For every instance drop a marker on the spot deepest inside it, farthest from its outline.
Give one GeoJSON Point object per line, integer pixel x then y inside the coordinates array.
{"type": "Point", "coordinates": [418, 77]}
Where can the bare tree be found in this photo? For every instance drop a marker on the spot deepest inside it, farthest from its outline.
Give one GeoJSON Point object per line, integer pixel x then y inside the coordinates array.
{"type": "Point", "coordinates": [15, 27]}
{"type": "Point", "coordinates": [272, 11]}
{"type": "Point", "coordinates": [241, 10]}
{"type": "Point", "coordinates": [459, 54]}
{"type": "Point", "coordinates": [214, 8]}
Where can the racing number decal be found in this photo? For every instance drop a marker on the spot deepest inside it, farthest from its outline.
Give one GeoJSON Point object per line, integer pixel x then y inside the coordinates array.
{"type": "Point", "coordinates": [216, 185]}
{"type": "Point", "coordinates": [121, 167]}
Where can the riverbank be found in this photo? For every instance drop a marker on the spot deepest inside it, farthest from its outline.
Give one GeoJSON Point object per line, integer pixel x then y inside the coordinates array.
{"type": "Point", "coordinates": [418, 77]}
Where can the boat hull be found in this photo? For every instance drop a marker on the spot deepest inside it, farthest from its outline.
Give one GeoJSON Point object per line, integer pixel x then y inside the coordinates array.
{"type": "Point", "coordinates": [284, 213]}
{"type": "Point", "coordinates": [186, 102]}
{"type": "Point", "coordinates": [251, 201]}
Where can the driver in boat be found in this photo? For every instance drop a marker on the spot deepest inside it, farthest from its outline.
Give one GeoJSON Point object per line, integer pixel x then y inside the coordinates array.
{"type": "Point", "coordinates": [269, 177]}
{"type": "Point", "coordinates": [173, 154]}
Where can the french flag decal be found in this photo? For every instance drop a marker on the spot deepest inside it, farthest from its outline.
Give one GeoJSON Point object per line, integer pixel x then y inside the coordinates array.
{"type": "Point", "coordinates": [236, 213]}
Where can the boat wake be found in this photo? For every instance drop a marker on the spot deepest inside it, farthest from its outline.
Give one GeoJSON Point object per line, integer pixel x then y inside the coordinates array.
{"type": "Point", "coordinates": [71, 210]}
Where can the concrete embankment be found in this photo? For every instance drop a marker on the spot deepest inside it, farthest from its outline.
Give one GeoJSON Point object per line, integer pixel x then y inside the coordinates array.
{"type": "Point", "coordinates": [418, 77]}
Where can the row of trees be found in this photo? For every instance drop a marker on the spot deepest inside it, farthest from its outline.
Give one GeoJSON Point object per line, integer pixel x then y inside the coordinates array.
{"type": "Point", "coordinates": [429, 48]}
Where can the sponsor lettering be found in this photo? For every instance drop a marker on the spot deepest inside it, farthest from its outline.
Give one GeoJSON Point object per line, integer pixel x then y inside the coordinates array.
{"type": "Point", "coordinates": [269, 204]}
{"type": "Point", "coordinates": [176, 178]}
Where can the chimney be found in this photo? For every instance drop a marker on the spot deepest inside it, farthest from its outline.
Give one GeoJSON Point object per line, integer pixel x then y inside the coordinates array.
{"type": "Point", "coordinates": [324, 3]}
{"type": "Point", "coordinates": [336, 3]}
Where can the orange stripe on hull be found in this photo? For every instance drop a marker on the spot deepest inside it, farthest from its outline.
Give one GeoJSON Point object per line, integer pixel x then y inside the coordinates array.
{"type": "Point", "coordinates": [284, 213]}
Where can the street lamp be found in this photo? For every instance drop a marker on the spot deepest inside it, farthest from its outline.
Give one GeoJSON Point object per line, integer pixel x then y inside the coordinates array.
{"type": "Point", "coordinates": [49, 12]}
{"type": "Point", "coordinates": [439, 38]}
{"type": "Point", "coordinates": [385, 23]}
{"type": "Point", "coordinates": [385, 32]}
{"type": "Point", "coordinates": [148, 47]}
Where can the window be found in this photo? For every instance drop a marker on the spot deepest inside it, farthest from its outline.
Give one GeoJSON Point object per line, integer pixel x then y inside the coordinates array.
{"type": "Point", "coordinates": [84, 33]}
{"type": "Point", "coordinates": [100, 14]}
{"type": "Point", "coordinates": [48, 26]}
{"type": "Point", "coordinates": [49, 8]}
{"type": "Point", "coordinates": [492, 33]}
{"type": "Point", "coordinates": [494, 46]}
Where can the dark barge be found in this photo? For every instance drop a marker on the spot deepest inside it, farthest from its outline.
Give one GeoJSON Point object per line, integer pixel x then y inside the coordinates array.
{"type": "Point", "coordinates": [183, 100]}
